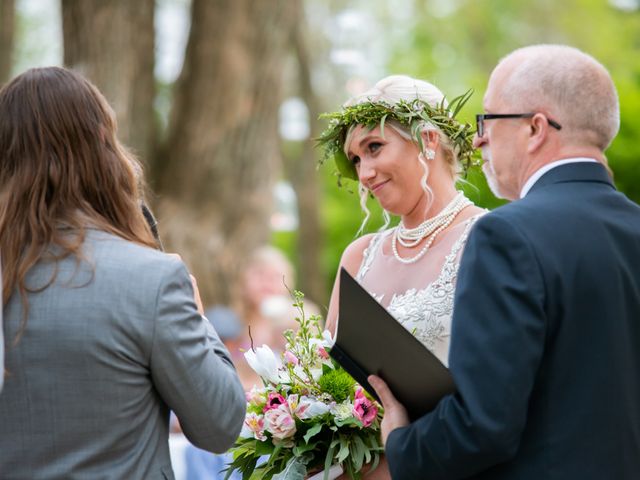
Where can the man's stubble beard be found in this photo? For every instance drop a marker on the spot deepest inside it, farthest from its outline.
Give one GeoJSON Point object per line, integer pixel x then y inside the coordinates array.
{"type": "Point", "coordinates": [490, 174]}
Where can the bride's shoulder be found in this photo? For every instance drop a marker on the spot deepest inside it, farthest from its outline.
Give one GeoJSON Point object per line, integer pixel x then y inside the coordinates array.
{"type": "Point", "coordinates": [358, 246]}
{"type": "Point", "coordinates": [353, 254]}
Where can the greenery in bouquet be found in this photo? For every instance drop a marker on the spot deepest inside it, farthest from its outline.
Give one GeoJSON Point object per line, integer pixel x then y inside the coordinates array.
{"type": "Point", "coordinates": [309, 415]}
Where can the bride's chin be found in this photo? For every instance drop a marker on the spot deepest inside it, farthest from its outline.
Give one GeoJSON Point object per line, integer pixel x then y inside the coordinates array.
{"type": "Point", "coordinates": [392, 211]}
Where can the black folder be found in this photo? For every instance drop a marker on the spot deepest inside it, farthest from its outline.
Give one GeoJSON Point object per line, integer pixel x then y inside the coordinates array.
{"type": "Point", "coordinates": [370, 341]}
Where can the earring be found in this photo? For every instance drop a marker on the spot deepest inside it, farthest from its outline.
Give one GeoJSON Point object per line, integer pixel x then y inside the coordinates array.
{"type": "Point", "coordinates": [431, 154]}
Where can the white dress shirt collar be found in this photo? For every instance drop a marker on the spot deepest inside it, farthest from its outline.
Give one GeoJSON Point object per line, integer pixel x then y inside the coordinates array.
{"type": "Point", "coordinates": [541, 171]}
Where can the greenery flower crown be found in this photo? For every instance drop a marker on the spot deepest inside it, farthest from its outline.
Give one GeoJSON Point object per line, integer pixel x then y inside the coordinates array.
{"type": "Point", "coordinates": [412, 114]}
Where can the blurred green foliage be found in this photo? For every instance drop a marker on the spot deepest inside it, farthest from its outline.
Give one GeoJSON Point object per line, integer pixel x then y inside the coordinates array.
{"type": "Point", "coordinates": [454, 44]}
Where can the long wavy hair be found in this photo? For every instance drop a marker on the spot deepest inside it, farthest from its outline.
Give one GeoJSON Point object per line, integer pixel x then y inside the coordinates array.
{"type": "Point", "coordinates": [62, 170]}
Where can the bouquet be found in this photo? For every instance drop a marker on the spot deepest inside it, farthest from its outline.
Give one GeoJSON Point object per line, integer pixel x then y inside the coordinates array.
{"type": "Point", "coordinates": [309, 415]}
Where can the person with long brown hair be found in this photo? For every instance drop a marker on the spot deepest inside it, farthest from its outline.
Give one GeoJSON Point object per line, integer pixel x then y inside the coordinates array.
{"type": "Point", "coordinates": [103, 335]}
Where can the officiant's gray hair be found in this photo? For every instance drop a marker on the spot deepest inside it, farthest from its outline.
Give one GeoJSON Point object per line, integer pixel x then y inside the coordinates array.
{"type": "Point", "coordinates": [570, 86]}
{"type": "Point", "coordinates": [393, 90]}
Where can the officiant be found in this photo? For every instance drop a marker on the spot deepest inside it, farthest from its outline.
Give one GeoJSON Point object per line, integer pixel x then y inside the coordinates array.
{"type": "Point", "coordinates": [104, 333]}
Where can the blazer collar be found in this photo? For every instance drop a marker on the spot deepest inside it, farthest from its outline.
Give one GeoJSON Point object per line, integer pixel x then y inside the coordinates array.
{"type": "Point", "coordinates": [574, 172]}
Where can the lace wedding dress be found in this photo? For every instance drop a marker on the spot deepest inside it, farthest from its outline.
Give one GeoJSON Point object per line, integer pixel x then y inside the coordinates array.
{"type": "Point", "coordinates": [418, 295]}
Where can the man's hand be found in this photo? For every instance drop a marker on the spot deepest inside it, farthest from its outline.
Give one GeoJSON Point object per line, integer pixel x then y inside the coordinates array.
{"type": "Point", "coordinates": [395, 415]}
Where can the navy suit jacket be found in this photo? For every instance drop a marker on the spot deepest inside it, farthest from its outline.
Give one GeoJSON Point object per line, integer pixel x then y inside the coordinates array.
{"type": "Point", "coordinates": [545, 348]}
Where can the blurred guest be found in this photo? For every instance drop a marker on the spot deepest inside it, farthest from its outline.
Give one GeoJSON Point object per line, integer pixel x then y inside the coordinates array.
{"type": "Point", "coordinates": [103, 335]}
{"type": "Point", "coordinates": [265, 308]}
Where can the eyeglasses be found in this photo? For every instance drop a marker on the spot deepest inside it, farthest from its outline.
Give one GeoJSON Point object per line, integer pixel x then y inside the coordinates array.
{"type": "Point", "coordinates": [481, 117]}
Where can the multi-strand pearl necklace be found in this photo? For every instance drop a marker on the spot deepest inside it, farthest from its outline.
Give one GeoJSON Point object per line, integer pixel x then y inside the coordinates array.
{"type": "Point", "coordinates": [411, 237]}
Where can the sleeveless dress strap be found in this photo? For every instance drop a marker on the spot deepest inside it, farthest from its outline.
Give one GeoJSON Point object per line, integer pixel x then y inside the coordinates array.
{"type": "Point", "coordinates": [370, 252]}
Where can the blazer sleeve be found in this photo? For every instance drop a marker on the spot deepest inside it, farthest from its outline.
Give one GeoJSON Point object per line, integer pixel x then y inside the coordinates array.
{"type": "Point", "coordinates": [497, 342]}
{"type": "Point", "coordinates": [191, 368]}
{"type": "Point", "coordinates": [1, 347]}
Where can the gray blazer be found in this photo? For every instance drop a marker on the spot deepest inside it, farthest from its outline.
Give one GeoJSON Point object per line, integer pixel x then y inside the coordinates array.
{"type": "Point", "coordinates": [1, 342]}
{"type": "Point", "coordinates": [108, 350]}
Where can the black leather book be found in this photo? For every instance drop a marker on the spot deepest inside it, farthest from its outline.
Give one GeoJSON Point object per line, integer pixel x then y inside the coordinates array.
{"type": "Point", "coordinates": [370, 341]}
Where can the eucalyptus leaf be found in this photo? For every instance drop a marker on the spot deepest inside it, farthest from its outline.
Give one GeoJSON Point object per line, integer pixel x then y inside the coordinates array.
{"type": "Point", "coordinates": [343, 453]}
{"type": "Point", "coordinates": [382, 120]}
{"type": "Point", "coordinates": [328, 460]}
{"type": "Point", "coordinates": [358, 449]}
{"type": "Point", "coordinates": [294, 470]}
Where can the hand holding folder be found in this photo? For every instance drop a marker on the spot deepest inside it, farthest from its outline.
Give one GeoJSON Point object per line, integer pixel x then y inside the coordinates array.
{"type": "Point", "coordinates": [370, 341]}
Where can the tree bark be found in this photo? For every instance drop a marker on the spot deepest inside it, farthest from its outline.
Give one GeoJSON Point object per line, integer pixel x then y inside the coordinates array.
{"type": "Point", "coordinates": [112, 44]}
{"type": "Point", "coordinates": [303, 173]}
{"type": "Point", "coordinates": [7, 28]}
{"type": "Point", "coordinates": [221, 156]}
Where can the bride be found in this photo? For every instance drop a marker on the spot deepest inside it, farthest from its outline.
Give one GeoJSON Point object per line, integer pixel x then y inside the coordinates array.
{"type": "Point", "coordinates": [399, 141]}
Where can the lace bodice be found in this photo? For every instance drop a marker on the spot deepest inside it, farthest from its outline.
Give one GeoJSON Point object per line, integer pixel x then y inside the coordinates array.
{"type": "Point", "coordinates": [425, 309]}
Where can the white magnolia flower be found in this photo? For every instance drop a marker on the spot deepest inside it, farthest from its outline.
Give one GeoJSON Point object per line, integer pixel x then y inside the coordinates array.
{"type": "Point", "coordinates": [316, 373]}
{"type": "Point", "coordinates": [326, 341]}
{"type": "Point", "coordinates": [265, 363]}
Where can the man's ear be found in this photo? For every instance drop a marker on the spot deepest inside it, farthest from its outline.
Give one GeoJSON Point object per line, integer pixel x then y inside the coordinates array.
{"type": "Point", "coordinates": [538, 132]}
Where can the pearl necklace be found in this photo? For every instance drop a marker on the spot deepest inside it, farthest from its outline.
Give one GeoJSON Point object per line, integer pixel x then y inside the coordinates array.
{"type": "Point", "coordinates": [411, 237]}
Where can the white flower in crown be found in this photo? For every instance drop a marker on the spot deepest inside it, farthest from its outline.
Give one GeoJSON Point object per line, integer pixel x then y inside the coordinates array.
{"type": "Point", "coordinates": [265, 363]}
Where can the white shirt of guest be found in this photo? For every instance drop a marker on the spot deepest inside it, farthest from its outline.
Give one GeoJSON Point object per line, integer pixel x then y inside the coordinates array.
{"type": "Point", "coordinates": [541, 171]}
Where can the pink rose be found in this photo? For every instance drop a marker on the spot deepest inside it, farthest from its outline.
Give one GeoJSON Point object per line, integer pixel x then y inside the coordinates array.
{"type": "Point", "coordinates": [280, 423]}
{"type": "Point", "coordinates": [364, 409]}
{"type": "Point", "coordinates": [274, 400]}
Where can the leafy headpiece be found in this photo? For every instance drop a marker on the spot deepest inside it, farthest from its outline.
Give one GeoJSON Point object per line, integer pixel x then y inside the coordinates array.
{"type": "Point", "coordinates": [412, 114]}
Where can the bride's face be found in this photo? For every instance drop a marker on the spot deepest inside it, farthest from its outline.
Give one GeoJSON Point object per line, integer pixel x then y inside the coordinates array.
{"type": "Point", "coordinates": [388, 167]}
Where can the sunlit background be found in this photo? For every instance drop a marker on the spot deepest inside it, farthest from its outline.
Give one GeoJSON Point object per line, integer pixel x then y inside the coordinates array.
{"type": "Point", "coordinates": [350, 45]}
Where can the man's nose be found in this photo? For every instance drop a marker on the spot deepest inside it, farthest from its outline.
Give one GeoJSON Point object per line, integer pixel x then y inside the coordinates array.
{"type": "Point", "coordinates": [478, 142]}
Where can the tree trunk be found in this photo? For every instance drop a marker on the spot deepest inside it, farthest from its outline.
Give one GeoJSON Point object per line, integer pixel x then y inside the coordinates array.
{"type": "Point", "coordinates": [221, 155]}
{"type": "Point", "coordinates": [303, 173]}
{"type": "Point", "coordinates": [7, 24]}
{"type": "Point", "coordinates": [112, 44]}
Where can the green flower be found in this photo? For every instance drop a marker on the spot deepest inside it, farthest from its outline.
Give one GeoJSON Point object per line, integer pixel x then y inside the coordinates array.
{"type": "Point", "coordinates": [337, 383]}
